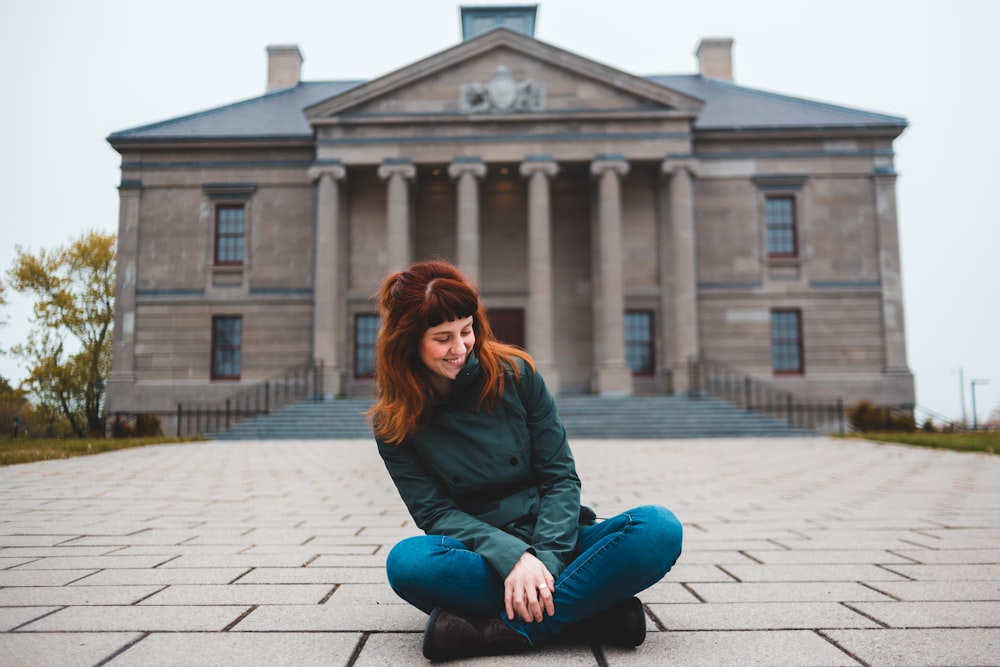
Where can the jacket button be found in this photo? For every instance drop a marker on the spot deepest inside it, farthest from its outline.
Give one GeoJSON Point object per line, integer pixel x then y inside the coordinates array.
{"type": "Point", "coordinates": [513, 460]}
{"type": "Point", "coordinates": [456, 479]}
{"type": "Point", "coordinates": [531, 493]}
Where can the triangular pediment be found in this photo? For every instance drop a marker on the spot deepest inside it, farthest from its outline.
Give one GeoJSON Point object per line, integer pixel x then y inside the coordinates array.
{"type": "Point", "coordinates": [503, 74]}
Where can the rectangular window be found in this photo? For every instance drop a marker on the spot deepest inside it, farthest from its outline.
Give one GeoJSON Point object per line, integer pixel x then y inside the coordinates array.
{"type": "Point", "coordinates": [365, 331]}
{"type": "Point", "coordinates": [781, 237]}
{"type": "Point", "coordinates": [639, 341]}
{"type": "Point", "coordinates": [229, 234]}
{"type": "Point", "coordinates": [786, 342]}
{"type": "Point", "coordinates": [227, 337]}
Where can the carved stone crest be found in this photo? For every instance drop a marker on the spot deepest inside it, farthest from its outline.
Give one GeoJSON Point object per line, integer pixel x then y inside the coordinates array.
{"type": "Point", "coordinates": [502, 94]}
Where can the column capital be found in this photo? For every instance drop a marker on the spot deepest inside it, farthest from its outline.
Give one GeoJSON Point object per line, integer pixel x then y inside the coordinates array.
{"type": "Point", "coordinates": [130, 185]}
{"type": "Point", "coordinates": [539, 164]}
{"type": "Point", "coordinates": [884, 172]}
{"type": "Point", "coordinates": [467, 165]}
{"type": "Point", "coordinates": [671, 166]}
{"type": "Point", "coordinates": [334, 169]}
{"type": "Point", "coordinates": [397, 166]}
{"type": "Point", "coordinates": [609, 162]}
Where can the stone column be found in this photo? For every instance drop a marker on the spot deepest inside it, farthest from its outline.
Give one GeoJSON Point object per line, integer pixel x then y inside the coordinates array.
{"type": "Point", "coordinates": [468, 171]}
{"type": "Point", "coordinates": [121, 380]}
{"type": "Point", "coordinates": [685, 313]}
{"type": "Point", "coordinates": [328, 286]}
{"type": "Point", "coordinates": [538, 169]}
{"type": "Point", "coordinates": [397, 171]}
{"type": "Point", "coordinates": [613, 376]}
{"type": "Point", "coordinates": [884, 185]}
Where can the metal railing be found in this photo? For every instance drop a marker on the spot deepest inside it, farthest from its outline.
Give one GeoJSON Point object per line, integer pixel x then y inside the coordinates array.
{"type": "Point", "coordinates": [714, 379]}
{"type": "Point", "coordinates": [293, 384]}
{"type": "Point", "coordinates": [905, 417]}
{"type": "Point", "coordinates": [926, 417]}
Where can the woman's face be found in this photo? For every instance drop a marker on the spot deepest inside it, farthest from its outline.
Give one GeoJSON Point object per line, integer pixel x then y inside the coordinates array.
{"type": "Point", "coordinates": [443, 350]}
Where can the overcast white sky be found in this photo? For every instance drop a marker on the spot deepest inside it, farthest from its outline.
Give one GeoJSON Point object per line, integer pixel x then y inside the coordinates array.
{"type": "Point", "coordinates": [72, 72]}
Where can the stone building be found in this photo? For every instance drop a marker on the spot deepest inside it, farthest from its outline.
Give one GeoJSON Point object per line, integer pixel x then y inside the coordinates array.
{"type": "Point", "coordinates": [618, 225]}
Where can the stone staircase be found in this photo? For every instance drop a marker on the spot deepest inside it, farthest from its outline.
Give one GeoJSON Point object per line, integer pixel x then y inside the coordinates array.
{"type": "Point", "coordinates": [666, 417]}
{"type": "Point", "coordinates": [584, 416]}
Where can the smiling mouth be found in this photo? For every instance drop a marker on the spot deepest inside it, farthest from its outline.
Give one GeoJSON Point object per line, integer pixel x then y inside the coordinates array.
{"type": "Point", "coordinates": [457, 361]}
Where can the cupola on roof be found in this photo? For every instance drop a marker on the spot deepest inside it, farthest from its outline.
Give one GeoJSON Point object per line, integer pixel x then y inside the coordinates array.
{"type": "Point", "coordinates": [477, 20]}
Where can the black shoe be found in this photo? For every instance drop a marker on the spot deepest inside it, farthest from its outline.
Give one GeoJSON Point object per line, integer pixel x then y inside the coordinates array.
{"type": "Point", "coordinates": [623, 625]}
{"type": "Point", "coordinates": [449, 637]}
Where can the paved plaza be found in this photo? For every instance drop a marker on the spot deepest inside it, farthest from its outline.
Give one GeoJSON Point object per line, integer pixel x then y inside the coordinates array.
{"type": "Point", "coordinates": [812, 551]}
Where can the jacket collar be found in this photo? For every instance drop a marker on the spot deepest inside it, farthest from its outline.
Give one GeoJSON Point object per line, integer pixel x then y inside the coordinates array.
{"type": "Point", "coordinates": [464, 389]}
{"type": "Point", "coordinates": [469, 375]}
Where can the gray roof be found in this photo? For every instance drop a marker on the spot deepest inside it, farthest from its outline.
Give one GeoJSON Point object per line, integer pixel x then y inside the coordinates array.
{"type": "Point", "coordinates": [279, 115]}
{"type": "Point", "coordinates": [275, 115]}
{"type": "Point", "coordinates": [730, 106]}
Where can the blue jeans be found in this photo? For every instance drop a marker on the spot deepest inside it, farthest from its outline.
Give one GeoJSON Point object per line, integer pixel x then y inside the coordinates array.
{"type": "Point", "coordinates": [613, 560]}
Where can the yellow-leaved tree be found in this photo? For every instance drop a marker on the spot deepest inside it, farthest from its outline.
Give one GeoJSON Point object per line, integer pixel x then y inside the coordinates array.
{"type": "Point", "coordinates": [68, 351]}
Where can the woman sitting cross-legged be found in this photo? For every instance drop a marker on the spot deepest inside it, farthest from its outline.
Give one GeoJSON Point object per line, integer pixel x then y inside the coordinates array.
{"type": "Point", "coordinates": [472, 440]}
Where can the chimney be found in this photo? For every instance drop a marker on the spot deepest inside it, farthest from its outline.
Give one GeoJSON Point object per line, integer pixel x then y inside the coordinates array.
{"type": "Point", "coordinates": [715, 58]}
{"type": "Point", "coordinates": [284, 66]}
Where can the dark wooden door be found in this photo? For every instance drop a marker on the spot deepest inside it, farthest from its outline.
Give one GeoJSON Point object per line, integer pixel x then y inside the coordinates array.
{"type": "Point", "coordinates": [508, 325]}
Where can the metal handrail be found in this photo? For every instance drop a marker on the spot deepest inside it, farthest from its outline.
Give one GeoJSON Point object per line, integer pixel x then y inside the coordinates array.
{"type": "Point", "coordinates": [913, 417]}
{"type": "Point", "coordinates": [734, 386]}
{"type": "Point", "coordinates": [303, 381]}
{"type": "Point", "coordinates": [923, 414]}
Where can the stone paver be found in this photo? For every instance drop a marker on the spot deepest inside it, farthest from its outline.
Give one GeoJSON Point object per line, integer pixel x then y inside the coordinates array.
{"type": "Point", "coordinates": [79, 649]}
{"type": "Point", "coordinates": [808, 551]}
{"type": "Point", "coordinates": [801, 648]}
{"type": "Point", "coordinates": [759, 616]}
{"type": "Point", "coordinates": [138, 619]}
{"type": "Point", "coordinates": [162, 576]}
{"type": "Point", "coordinates": [240, 594]}
{"type": "Point", "coordinates": [225, 649]}
{"type": "Point", "coordinates": [891, 648]}
{"type": "Point", "coordinates": [68, 596]}
{"type": "Point", "coordinates": [41, 577]}
{"type": "Point", "coordinates": [945, 591]}
{"type": "Point", "coordinates": [963, 614]}
{"type": "Point", "coordinates": [824, 591]}
{"type": "Point", "coordinates": [12, 618]}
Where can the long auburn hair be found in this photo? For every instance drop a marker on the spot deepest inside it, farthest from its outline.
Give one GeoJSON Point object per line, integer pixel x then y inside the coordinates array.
{"type": "Point", "coordinates": [411, 301]}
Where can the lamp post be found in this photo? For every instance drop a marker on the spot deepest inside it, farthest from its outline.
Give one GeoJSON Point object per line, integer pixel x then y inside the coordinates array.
{"type": "Point", "coordinates": [975, 424]}
{"type": "Point", "coordinates": [961, 395]}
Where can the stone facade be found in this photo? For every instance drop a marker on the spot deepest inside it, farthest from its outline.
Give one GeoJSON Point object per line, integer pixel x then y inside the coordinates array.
{"type": "Point", "coordinates": [571, 192]}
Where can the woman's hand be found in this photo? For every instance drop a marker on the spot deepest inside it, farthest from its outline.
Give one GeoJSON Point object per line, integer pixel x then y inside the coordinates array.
{"type": "Point", "coordinates": [527, 590]}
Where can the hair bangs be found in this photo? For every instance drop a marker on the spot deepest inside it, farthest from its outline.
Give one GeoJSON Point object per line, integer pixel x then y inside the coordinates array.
{"type": "Point", "coordinates": [446, 300]}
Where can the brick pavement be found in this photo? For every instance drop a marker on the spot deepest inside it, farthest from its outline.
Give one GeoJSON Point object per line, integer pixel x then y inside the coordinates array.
{"type": "Point", "coordinates": [797, 552]}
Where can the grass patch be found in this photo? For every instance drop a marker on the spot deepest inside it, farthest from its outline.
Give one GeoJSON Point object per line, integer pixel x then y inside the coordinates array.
{"type": "Point", "coordinates": [981, 441]}
{"type": "Point", "coordinates": [29, 450]}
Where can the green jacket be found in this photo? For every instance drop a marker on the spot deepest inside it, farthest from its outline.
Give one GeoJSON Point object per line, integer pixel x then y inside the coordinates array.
{"type": "Point", "coordinates": [502, 483]}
